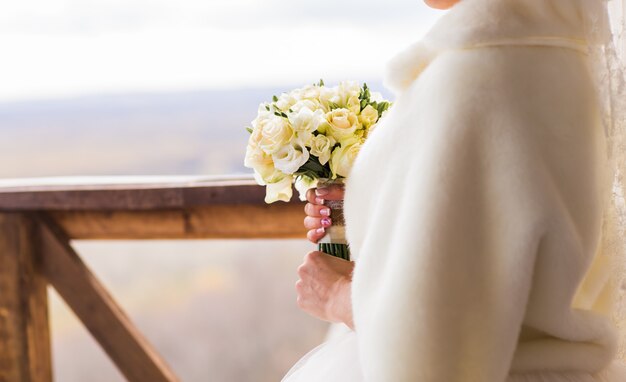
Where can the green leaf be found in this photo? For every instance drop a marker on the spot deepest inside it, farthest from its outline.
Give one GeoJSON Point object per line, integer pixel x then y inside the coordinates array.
{"type": "Point", "coordinates": [321, 83]}
{"type": "Point", "coordinates": [280, 114]}
{"type": "Point", "coordinates": [314, 166]}
{"type": "Point", "coordinates": [249, 129]}
{"type": "Point", "coordinates": [274, 98]}
{"type": "Point", "coordinates": [366, 91]}
{"type": "Point", "coordinates": [364, 104]}
{"type": "Point", "coordinates": [267, 107]}
{"type": "Point", "coordinates": [381, 107]}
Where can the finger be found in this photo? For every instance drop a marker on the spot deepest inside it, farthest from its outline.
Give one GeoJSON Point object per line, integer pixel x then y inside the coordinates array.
{"type": "Point", "coordinates": [313, 257]}
{"type": "Point", "coordinates": [314, 235]}
{"type": "Point", "coordinates": [331, 192]}
{"type": "Point", "coordinates": [314, 223]}
{"type": "Point", "coordinates": [312, 198]}
{"type": "Point", "coordinates": [316, 211]}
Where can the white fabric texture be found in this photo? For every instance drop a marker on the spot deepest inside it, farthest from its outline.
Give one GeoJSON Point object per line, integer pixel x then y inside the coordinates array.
{"type": "Point", "coordinates": [605, 32]}
{"type": "Point", "coordinates": [337, 360]}
{"type": "Point", "coordinates": [474, 211]}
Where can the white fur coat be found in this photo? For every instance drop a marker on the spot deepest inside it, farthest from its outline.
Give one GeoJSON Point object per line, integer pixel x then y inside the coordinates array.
{"type": "Point", "coordinates": [474, 209]}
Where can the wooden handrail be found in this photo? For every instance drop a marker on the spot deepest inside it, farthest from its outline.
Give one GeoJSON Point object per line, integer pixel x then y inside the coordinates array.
{"type": "Point", "coordinates": [121, 193]}
{"type": "Point", "coordinates": [39, 217]}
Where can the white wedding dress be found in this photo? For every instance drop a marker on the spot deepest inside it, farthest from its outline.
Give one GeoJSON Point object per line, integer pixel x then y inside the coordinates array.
{"type": "Point", "coordinates": [474, 211]}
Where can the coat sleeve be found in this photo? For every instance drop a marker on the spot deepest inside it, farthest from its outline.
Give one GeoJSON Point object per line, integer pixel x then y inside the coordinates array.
{"type": "Point", "coordinates": [444, 275]}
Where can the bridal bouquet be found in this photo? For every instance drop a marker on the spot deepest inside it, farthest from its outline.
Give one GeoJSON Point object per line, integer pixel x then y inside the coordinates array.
{"type": "Point", "coordinates": [311, 136]}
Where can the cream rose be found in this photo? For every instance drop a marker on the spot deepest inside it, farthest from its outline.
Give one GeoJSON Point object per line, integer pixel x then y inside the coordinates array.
{"type": "Point", "coordinates": [342, 123]}
{"type": "Point", "coordinates": [256, 157]}
{"type": "Point", "coordinates": [368, 116]}
{"type": "Point", "coordinates": [262, 110]}
{"type": "Point", "coordinates": [354, 104]}
{"type": "Point", "coordinates": [255, 137]}
{"type": "Point", "coordinates": [327, 96]}
{"type": "Point", "coordinates": [343, 157]}
{"type": "Point", "coordinates": [303, 183]}
{"type": "Point", "coordinates": [306, 120]}
{"type": "Point", "coordinates": [310, 92]}
{"type": "Point", "coordinates": [290, 157]}
{"type": "Point", "coordinates": [321, 146]}
{"type": "Point", "coordinates": [285, 101]}
{"type": "Point", "coordinates": [279, 190]}
{"type": "Point", "coordinates": [346, 91]}
{"type": "Point", "coordinates": [262, 115]}
{"type": "Point", "coordinates": [305, 103]}
{"type": "Point", "coordinates": [276, 132]}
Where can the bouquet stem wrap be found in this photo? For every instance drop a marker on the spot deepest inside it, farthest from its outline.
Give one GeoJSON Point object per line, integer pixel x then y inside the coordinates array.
{"type": "Point", "coordinates": [334, 242]}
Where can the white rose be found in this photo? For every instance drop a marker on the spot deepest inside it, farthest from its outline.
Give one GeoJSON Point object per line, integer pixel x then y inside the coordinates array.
{"type": "Point", "coordinates": [347, 90]}
{"type": "Point", "coordinates": [321, 146]}
{"type": "Point", "coordinates": [262, 115]}
{"type": "Point", "coordinates": [354, 104]}
{"type": "Point", "coordinates": [259, 178]}
{"type": "Point", "coordinates": [327, 96]}
{"type": "Point", "coordinates": [305, 103]}
{"type": "Point", "coordinates": [309, 92]}
{"type": "Point", "coordinates": [343, 157]}
{"type": "Point", "coordinates": [279, 190]}
{"type": "Point", "coordinates": [368, 116]}
{"type": "Point", "coordinates": [263, 108]}
{"type": "Point", "coordinates": [342, 123]}
{"type": "Point", "coordinates": [266, 174]}
{"type": "Point", "coordinates": [256, 157]}
{"type": "Point", "coordinates": [289, 158]}
{"type": "Point", "coordinates": [352, 87]}
{"type": "Point", "coordinates": [306, 121]}
{"type": "Point", "coordinates": [286, 100]}
{"type": "Point", "coordinates": [263, 165]}
{"type": "Point", "coordinates": [380, 120]}
{"type": "Point", "coordinates": [255, 137]}
{"type": "Point", "coordinates": [303, 183]}
{"type": "Point", "coordinates": [276, 132]}
{"type": "Point", "coordinates": [306, 139]}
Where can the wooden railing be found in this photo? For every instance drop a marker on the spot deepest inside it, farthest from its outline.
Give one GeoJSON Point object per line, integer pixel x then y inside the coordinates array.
{"type": "Point", "coordinates": [38, 218]}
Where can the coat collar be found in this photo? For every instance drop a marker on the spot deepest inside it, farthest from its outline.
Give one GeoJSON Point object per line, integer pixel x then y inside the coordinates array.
{"type": "Point", "coordinates": [475, 23]}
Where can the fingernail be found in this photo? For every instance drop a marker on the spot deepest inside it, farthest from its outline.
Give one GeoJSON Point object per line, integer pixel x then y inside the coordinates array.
{"type": "Point", "coordinates": [325, 211]}
{"type": "Point", "coordinates": [325, 222]}
{"type": "Point", "coordinates": [320, 230]}
{"type": "Point", "coordinates": [321, 191]}
{"type": "Point", "coordinates": [319, 200]}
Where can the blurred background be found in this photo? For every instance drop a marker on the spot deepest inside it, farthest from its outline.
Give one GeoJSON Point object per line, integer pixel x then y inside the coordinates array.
{"type": "Point", "coordinates": [165, 87]}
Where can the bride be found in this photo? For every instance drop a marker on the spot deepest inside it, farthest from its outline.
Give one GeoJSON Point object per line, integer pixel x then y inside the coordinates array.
{"type": "Point", "coordinates": [479, 213]}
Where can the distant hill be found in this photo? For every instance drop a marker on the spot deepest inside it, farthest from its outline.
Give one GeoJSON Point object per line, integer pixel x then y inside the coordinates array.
{"type": "Point", "coordinates": [199, 132]}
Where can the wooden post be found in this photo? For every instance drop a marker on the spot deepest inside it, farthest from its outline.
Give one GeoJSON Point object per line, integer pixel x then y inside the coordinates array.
{"type": "Point", "coordinates": [24, 332]}
{"type": "Point", "coordinates": [97, 310]}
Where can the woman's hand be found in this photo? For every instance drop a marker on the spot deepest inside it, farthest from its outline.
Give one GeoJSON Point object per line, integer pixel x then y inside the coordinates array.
{"type": "Point", "coordinates": [324, 288]}
{"type": "Point", "coordinates": [318, 215]}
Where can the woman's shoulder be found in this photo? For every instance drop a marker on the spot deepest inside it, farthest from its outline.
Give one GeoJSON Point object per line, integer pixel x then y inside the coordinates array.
{"type": "Point", "coordinates": [511, 77]}
{"type": "Point", "coordinates": [473, 100]}
{"type": "Point", "coordinates": [504, 26]}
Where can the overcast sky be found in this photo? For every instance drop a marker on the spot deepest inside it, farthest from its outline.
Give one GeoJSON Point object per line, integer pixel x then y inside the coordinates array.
{"type": "Point", "coordinates": [58, 48]}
